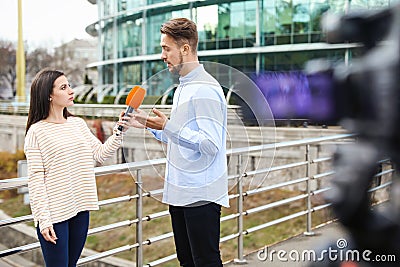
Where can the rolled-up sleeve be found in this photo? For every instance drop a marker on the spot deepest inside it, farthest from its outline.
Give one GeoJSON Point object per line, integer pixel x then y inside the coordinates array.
{"type": "Point", "coordinates": [159, 135]}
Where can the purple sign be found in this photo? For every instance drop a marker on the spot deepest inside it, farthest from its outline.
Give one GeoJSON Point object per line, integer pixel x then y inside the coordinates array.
{"type": "Point", "coordinates": [295, 95]}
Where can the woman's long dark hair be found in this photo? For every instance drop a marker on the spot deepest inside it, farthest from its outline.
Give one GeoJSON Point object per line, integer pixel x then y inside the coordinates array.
{"type": "Point", "coordinates": [41, 89]}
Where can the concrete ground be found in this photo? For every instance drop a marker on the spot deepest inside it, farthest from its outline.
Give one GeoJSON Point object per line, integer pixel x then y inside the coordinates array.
{"type": "Point", "coordinates": [292, 249]}
{"type": "Point", "coordinates": [14, 260]}
{"type": "Point", "coordinates": [320, 239]}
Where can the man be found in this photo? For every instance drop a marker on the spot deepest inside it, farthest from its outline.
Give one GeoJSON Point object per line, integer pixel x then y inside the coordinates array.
{"type": "Point", "coordinates": [196, 173]}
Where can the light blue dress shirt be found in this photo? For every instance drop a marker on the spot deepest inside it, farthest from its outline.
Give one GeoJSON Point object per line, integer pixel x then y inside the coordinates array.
{"type": "Point", "coordinates": [196, 170]}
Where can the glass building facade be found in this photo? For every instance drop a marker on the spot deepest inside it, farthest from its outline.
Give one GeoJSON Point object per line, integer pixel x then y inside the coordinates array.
{"type": "Point", "coordinates": [252, 36]}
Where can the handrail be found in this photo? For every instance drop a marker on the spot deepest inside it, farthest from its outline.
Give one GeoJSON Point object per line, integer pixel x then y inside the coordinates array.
{"type": "Point", "coordinates": [105, 110]}
{"type": "Point", "coordinates": [123, 167]}
{"type": "Point", "coordinates": [238, 215]}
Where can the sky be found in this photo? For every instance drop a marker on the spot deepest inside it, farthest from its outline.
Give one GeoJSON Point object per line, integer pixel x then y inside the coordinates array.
{"type": "Point", "coordinates": [46, 23]}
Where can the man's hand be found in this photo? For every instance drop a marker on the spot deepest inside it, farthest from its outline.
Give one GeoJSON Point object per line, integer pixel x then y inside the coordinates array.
{"type": "Point", "coordinates": [132, 122]}
{"type": "Point", "coordinates": [157, 123]}
{"type": "Point", "coordinates": [49, 234]}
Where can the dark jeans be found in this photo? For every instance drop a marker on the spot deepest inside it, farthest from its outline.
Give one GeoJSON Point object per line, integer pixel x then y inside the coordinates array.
{"type": "Point", "coordinates": [196, 233]}
{"type": "Point", "coordinates": [71, 236]}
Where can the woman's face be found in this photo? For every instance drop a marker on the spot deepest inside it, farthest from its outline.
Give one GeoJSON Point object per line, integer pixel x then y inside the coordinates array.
{"type": "Point", "coordinates": [63, 94]}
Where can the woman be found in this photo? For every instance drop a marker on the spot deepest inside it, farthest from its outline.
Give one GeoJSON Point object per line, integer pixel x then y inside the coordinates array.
{"type": "Point", "coordinates": [60, 150]}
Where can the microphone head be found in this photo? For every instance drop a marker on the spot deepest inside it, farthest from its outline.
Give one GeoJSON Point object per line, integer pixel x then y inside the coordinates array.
{"type": "Point", "coordinates": [135, 97]}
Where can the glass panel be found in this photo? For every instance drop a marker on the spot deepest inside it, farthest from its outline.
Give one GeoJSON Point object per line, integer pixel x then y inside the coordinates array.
{"type": "Point", "coordinates": [301, 16]}
{"type": "Point", "coordinates": [224, 26]}
{"type": "Point", "coordinates": [130, 38]}
{"type": "Point", "coordinates": [317, 9]}
{"type": "Point", "coordinates": [224, 22]}
{"type": "Point", "coordinates": [369, 4]}
{"type": "Point", "coordinates": [284, 14]}
{"type": "Point", "coordinates": [122, 5]}
{"type": "Point", "coordinates": [130, 74]}
{"type": "Point", "coordinates": [154, 67]}
{"type": "Point", "coordinates": [153, 32]}
{"type": "Point", "coordinates": [250, 23]}
{"type": "Point", "coordinates": [150, 2]}
{"type": "Point", "coordinates": [237, 21]}
{"type": "Point", "coordinates": [160, 83]}
{"type": "Point", "coordinates": [108, 72]}
{"type": "Point", "coordinates": [296, 60]}
{"type": "Point", "coordinates": [268, 22]}
{"type": "Point", "coordinates": [108, 41]}
{"type": "Point", "coordinates": [336, 6]}
{"type": "Point", "coordinates": [131, 4]}
{"type": "Point", "coordinates": [109, 7]}
{"type": "Point", "coordinates": [206, 19]}
{"type": "Point", "coordinates": [184, 13]}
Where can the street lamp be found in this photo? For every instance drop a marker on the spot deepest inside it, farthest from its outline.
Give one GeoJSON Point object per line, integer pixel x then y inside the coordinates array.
{"type": "Point", "coordinates": [20, 58]}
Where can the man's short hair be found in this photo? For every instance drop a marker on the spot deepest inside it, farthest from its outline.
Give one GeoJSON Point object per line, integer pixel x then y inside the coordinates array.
{"type": "Point", "coordinates": [182, 30]}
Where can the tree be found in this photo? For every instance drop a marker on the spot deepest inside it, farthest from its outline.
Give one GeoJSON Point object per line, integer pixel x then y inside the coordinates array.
{"type": "Point", "coordinates": [70, 58]}
{"type": "Point", "coordinates": [37, 60]}
{"type": "Point", "coordinates": [8, 73]}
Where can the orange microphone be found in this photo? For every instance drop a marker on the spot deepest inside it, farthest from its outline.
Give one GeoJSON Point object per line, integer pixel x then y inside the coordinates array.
{"type": "Point", "coordinates": [133, 101]}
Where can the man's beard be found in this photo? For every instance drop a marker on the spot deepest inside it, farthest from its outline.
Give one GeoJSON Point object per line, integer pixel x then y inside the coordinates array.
{"type": "Point", "coordinates": [177, 68]}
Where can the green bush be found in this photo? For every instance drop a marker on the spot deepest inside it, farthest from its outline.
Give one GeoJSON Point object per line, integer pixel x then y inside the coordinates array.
{"type": "Point", "coordinates": [122, 100]}
{"type": "Point", "coordinates": [9, 163]}
{"type": "Point", "coordinates": [108, 99]}
{"type": "Point", "coordinates": [152, 100]}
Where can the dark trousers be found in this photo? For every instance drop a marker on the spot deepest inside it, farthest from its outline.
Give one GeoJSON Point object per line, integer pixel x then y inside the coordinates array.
{"type": "Point", "coordinates": [71, 236]}
{"type": "Point", "coordinates": [196, 233]}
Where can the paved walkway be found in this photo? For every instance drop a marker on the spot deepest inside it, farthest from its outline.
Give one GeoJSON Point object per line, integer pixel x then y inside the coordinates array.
{"type": "Point", "coordinates": [322, 237]}
{"type": "Point", "coordinates": [15, 261]}
{"type": "Point", "coordinates": [294, 247]}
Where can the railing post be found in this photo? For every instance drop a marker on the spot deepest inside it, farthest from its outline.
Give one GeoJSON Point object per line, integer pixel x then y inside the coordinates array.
{"type": "Point", "coordinates": [239, 184]}
{"type": "Point", "coordinates": [22, 172]}
{"type": "Point", "coordinates": [309, 206]}
{"type": "Point", "coordinates": [139, 216]}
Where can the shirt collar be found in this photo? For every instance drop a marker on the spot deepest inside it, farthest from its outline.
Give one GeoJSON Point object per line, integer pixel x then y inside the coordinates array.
{"type": "Point", "coordinates": [191, 75]}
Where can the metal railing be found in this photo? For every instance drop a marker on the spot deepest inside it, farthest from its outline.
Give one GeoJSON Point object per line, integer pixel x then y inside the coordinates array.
{"type": "Point", "coordinates": [106, 110]}
{"type": "Point", "coordinates": [311, 172]}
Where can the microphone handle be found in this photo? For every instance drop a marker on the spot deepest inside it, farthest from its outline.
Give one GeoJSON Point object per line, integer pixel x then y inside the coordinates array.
{"type": "Point", "coordinates": [128, 110]}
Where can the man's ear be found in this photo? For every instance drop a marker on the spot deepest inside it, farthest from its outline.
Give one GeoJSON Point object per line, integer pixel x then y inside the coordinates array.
{"type": "Point", "coordinates": [185, 49]}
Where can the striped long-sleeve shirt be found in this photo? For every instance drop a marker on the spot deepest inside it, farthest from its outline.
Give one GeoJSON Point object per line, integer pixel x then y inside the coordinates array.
{"type": "Point", "coordinates": [61, 169]}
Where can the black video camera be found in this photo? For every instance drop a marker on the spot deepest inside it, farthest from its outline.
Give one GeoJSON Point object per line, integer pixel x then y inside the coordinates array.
{"type": "Point", "coordinates": [364, 93]}
{"type": "Point", "coordinates": [367, 102]}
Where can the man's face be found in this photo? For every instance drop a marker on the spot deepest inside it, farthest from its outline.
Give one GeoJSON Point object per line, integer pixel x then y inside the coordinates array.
{"type": "Point", "coordinates": [171, 54]}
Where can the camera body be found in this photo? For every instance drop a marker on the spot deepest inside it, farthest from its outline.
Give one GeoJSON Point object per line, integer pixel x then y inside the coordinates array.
{"type": "Point", "coordinates": [366, 97]}
{"type": "Point", "coordinates": [366, 93]}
